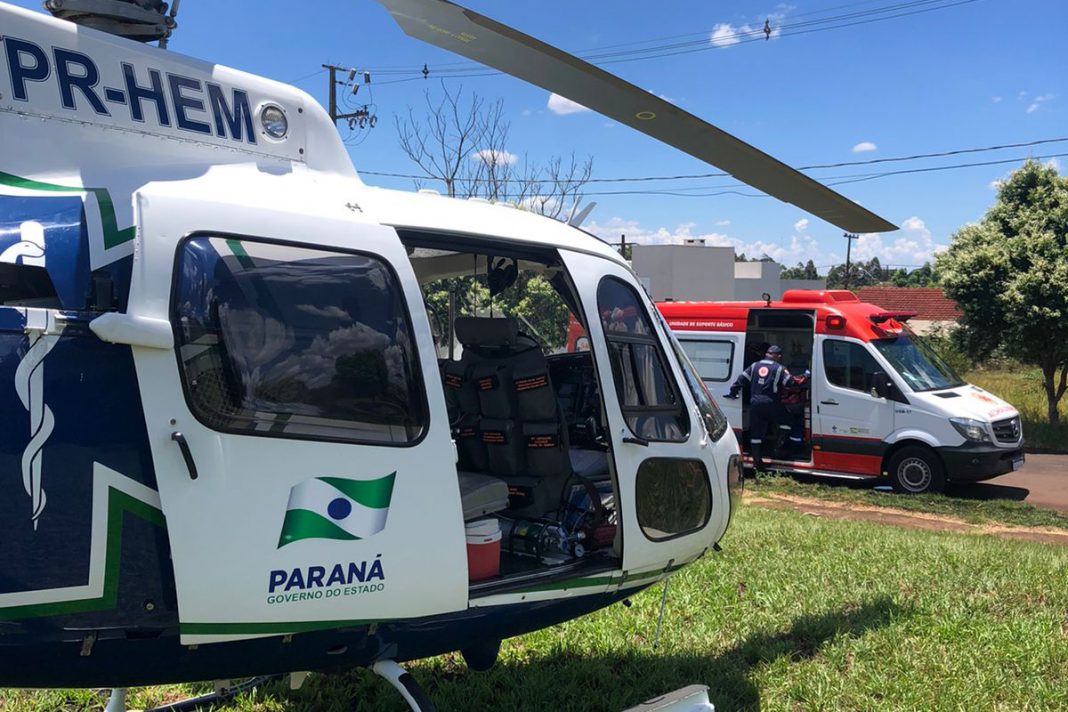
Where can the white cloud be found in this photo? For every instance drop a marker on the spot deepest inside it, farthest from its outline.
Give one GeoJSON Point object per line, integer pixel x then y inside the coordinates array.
{"type": "Point", "coordinates": [525, 112]}
{"type": "Point", "coordinates": [1054, 164]}
{"type": "Point", "coordinates": [1035, 102]}
{"type": "Point", "coordinates": [801, 224]}
{"type": "Point", "coordinates": [722, 223]}
{"type": "Point", "coordinates": [996, 99]}
{"type": "Point", "coordinates": [561, 105]}
{"type": "Point", "coordinates": [724, 35]}
{"type": "Point", "coordinates": [540, 205]}
{"type": "Point", "coordinates": [913, 246]}
{"type": "Point", "coordinates": [493, 157]}
{"type": "Point", "coordinates": [798, 249]}
{"type": "Point", "coordinates": [864, 147]}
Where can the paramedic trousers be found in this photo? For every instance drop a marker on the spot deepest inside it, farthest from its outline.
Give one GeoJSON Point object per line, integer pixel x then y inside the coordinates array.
{"type": "Point", "coordinates": [763, 412]}
{"type": "Point", "coordinates": [795, 418]}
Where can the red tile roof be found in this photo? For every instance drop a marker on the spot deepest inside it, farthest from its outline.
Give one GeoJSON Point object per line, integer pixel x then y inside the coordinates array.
{"type": "Point", "coordinates": [930, 303]}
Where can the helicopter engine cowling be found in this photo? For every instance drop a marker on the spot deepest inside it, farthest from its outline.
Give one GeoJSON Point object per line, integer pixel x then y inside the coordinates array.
{"type": "Point", "coordinates": [142, 20]}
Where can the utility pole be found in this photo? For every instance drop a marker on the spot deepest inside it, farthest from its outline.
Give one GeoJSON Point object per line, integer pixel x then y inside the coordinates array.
{"type": "Point", "coordinates": [849, 248]}
{"type": "Point", "coordinates": [362, 116]}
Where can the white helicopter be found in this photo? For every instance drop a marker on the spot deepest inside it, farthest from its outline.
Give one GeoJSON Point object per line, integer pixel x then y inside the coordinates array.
{"type": "Point", "coordinates": [232, 442]}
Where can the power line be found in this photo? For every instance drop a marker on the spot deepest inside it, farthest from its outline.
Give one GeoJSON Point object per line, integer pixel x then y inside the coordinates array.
{"type": "Point", "coordinates": [861, 178]}
{"type": "Point", "coordinates": [815, 166]}
{"type": "Point", "coordinates": [467, 65]}
{"type": "Point", "coordinates": [914, 7]}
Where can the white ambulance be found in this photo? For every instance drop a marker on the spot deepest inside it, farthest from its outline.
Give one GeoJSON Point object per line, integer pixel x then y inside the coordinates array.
{"type": "Point", "coordinates": [881, 402]}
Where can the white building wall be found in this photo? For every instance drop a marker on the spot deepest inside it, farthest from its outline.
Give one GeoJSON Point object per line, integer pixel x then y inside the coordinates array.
{"type": "Point", "coordinates": [704, 273]}
{"type": "Point", "coordinates": [787, 284]}
{"type": "Point", "coordinates": [690, 272]}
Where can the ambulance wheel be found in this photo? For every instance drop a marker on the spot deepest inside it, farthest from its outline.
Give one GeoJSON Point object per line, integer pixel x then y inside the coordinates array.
{"type": "Point", "coordinates": [915, 470]}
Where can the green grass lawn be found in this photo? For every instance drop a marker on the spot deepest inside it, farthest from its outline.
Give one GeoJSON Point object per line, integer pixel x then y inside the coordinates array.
{"type": "Point", "coordinates": [993, 511]}
{"type": "Point", "coordinates": [1023, 388]}
{"type": "Point", "coordinates": [797, 613]}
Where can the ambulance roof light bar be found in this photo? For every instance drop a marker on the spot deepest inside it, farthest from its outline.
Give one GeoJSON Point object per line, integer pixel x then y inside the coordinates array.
{"type": "Point", "coordinates": [880, 317]}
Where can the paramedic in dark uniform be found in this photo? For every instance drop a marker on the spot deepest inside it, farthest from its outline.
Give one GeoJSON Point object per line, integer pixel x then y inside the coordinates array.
{"type": "Point", "coordinates": [766, 380]}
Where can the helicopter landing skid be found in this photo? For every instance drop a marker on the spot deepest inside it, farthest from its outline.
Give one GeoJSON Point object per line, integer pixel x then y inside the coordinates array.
{"type": "Point", "coordinates": [223, 691]}
{"type": "Point", "coordinates": [404, 684]}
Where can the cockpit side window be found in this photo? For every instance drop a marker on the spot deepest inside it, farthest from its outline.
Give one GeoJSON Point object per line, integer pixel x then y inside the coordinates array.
{"type": "Point", "coordinates": [649, 397]}
{"type": "Point", "coordinates": [291, 341]}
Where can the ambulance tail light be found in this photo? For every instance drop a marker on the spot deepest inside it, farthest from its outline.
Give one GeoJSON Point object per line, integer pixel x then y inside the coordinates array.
{"type": "Point", "coordinates": [835, 322]}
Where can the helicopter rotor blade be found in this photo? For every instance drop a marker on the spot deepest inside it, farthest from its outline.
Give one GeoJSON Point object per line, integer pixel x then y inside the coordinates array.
{"type": "Point", "coordinates": [469, 34]}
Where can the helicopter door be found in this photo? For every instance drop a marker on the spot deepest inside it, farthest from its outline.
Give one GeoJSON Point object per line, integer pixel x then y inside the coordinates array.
{"type": "Point", "coordinates": [663, 466]}
{"type": "Point", "coordinates": [304, 467]}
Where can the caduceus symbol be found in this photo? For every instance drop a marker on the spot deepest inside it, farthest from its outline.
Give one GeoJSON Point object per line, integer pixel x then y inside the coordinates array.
{"type": "Point", "coordinates": [29, 384]}
{"type": "Point", "coordinates": [29, 379]}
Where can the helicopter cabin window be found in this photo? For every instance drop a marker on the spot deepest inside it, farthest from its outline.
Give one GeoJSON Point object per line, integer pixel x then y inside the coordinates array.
{"type": "Point", "coordinates": [292, 341]}
{"type": "Point", "coordinates": [672, 497]}
{"type": "Point", "coordinates": [24, 285]}
{"type": "Point", "coordinates": [647, 394]}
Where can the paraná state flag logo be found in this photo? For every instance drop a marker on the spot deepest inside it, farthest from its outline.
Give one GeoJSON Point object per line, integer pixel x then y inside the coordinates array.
{"type": "Point", "coordinates": [337, 508]}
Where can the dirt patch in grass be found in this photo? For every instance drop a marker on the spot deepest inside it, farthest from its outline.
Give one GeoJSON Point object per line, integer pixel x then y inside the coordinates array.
{"type": "Point", "coordinates": [903, 518]}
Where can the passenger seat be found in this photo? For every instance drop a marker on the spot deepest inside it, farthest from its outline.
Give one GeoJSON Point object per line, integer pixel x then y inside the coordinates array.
{"type": "Point", "coordinates": [519, 423]}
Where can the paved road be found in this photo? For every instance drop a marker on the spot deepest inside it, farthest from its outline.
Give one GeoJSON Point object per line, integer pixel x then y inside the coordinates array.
{"type": "Point", "coordinates": [1042, 481]}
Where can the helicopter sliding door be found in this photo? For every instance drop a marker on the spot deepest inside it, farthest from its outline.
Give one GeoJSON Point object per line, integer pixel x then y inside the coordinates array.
{"type": "Point", "coordinates": [673, 501]}
{"type": "Point", "coordinates": [304, 469]}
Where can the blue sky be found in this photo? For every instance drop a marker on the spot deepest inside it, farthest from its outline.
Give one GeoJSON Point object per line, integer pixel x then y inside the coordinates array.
{"type": "Point", "coordinates": [965, 74]}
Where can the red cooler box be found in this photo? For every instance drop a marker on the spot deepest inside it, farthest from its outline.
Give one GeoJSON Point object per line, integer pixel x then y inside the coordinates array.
{"type": "Point", "coordinates": [483, 549]}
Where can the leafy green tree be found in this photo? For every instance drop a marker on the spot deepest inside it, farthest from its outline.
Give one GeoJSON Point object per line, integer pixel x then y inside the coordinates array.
{"type": "Point", "coordinates": [532, 300]}
{"type": "Point", "coordinates": [861, 274]}
{"type": "Point", "coordinates": [792, 272]}
{"type": "Point", "coordinates": [1009, 273]}
{"type": "Point", "coordinates": [810, 271]}
{"type": "Point", "coordinates": [801, 271]}
{"type": "Point", "coordinates": [922, 276]}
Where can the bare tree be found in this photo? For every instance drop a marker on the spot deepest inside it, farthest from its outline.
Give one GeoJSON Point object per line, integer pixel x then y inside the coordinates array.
{"type": "Point", "coordinates": [452, 142]}
{"type": "Point", "coordinates": [463, 144]}
{"type": "Point", "coordinates": [555, 188]}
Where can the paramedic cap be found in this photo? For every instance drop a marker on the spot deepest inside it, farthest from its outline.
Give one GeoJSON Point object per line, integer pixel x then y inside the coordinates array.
{"type": "Point", "coordinates": [773, 349]}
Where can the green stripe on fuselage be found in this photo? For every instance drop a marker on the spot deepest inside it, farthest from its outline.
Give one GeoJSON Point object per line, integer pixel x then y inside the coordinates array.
{"type": "Point", "coordinates": [113, 236]}
{"type": "Point", "coordinates": [119, 503]}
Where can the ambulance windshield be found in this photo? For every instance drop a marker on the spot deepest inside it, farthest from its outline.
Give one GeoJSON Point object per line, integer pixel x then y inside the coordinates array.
{"type": "Point", "coordinates": [918, 364]}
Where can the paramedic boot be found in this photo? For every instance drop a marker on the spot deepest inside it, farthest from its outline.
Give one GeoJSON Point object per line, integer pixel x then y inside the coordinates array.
{"type": "Point", "coordinates": [758, 461]}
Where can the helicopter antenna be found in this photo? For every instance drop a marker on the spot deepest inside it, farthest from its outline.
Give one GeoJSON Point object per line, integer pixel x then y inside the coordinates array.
{"type": "Point", "coordinates": [577, 220]}
{"type": "Point", "coordinates": [142, 20]}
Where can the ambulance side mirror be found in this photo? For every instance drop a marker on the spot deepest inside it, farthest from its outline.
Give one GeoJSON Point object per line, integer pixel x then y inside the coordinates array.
{"type": "Point", "coordinates": [880, 385]}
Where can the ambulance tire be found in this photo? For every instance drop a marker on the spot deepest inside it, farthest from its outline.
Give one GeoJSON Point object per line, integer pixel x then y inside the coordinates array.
{"type": "Point", "coordinates": [916, 470]}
